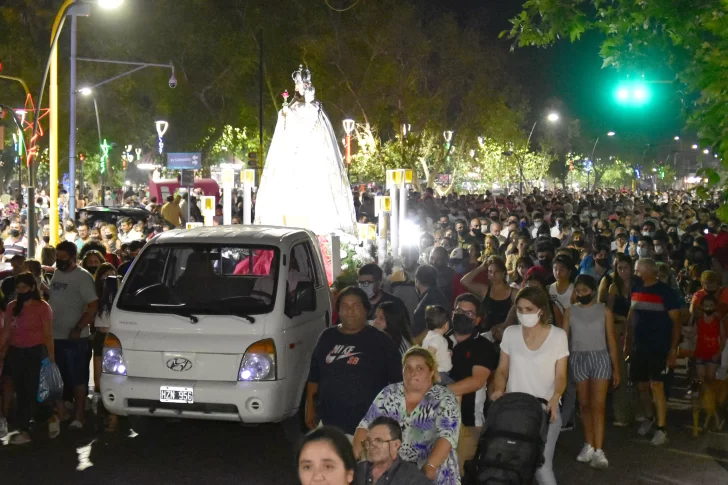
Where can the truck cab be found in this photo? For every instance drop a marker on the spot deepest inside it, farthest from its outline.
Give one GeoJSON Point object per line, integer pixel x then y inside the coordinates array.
{"type": "Point", "coordinates": [217, 323]}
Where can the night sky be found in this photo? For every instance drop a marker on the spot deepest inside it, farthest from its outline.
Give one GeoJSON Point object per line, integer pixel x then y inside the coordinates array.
{"type": "Point", "coordinates": [574, 74]}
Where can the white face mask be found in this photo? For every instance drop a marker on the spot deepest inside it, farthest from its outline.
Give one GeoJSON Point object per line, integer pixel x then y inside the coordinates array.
{"type": "Point", "coordinates": [528, 319]}
{"type": "Point", "coordinates": [537, 224]}
{"type": "Point", "coordinates": [643, 252]}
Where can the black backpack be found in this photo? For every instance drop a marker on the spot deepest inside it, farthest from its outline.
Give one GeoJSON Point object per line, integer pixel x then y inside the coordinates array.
{"type": "Point", "coordinates": [510, 449]}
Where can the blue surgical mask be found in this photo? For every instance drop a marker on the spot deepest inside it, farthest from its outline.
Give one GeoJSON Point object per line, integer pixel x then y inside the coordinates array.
{"type": "Point", "coordinates": [634, 239]}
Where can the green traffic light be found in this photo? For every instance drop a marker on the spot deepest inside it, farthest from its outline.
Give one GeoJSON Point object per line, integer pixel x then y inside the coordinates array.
{"type": "Point", "coordinates": [632, 93]}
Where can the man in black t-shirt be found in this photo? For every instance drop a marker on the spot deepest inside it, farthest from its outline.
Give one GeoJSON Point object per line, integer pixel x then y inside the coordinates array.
{"type": "Point", "coordinates": [474, 360]}
{"type": "Point", "coordinates": [351, 364]}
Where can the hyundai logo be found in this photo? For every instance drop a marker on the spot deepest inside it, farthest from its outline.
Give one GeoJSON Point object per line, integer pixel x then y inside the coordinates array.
{"type": "Point", "coordinates": [179, 364]}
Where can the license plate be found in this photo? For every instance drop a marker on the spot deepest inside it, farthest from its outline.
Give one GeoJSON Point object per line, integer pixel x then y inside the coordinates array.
{"type": "Point", "coordinates": [183, 395]}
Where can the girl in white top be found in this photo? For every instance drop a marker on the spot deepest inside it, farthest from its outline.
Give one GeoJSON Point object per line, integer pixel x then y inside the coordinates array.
{"type": "Point", "coordinates": [562, 291]}
{"type": "Point", "coordinates": [533, 360]}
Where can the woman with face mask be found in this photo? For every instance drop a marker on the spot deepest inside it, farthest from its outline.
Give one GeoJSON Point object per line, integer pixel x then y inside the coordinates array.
{"type": "Point", "coordinates": [593, 363]}
{"type": "Point", "coordinates": [110, 238]}
{"type": "Point", "coordinates": [533, 360]}
{"type": "Point", "coordinates": [26, 340]}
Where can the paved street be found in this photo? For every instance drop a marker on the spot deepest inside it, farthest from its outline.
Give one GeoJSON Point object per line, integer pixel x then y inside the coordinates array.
{"type": "Point", "coordinates": [195, 452]}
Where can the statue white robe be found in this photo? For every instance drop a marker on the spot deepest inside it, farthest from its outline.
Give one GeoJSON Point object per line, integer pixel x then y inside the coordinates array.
{"type": "Point", "coordinates": [304, 182]}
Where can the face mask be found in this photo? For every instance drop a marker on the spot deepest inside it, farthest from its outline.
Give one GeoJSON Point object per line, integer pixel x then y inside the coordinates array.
{"type": "Point", "coordinates": [634, 239]}
{"type": "Point", "coordinates": [643, 252]}
{"type": "Point", "coordinates": [537, 224]}
{"type": "Point", "coordinates": [585, 299]}
{"type": "Point", "coordinates": [528, 320]}
{"type": "Point", "coordinates": [523, 224]}
{"type": "Point", "coordinates": [462, 324]}
{"type": "Point", "coordinates": [23, 297]}
{"type": "Point", "coordinates": [594, 213]}
{"type": "Point", "coordinates": [14, 233]}
{"type": "Point", "coordinates": [369, 290]}
{"type": "Point", "coordinates": [439, 264]}
{"type": "Point", "coordinates": [709, 312]}
{"type": "Point", "coordinates": [91, 269]}
{"type": "Point", "coordinates": [648, 233]}
{"type": "Point", "coordinates": [109, 237]}
{"type": "Point", "coordinates": [546, 262]}
{"type": "Point", "coordinates": [63, 265]}
{"type": "Point", "coordinates": [603, 262]}
{"type": "Point", "coordinates": [659, 250]}
{"type": "Point", "coordinates": [46, 239]}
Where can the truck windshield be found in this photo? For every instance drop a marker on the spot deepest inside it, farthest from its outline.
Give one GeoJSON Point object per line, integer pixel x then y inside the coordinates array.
{"type": "Point", "coordinates": [187, 279]}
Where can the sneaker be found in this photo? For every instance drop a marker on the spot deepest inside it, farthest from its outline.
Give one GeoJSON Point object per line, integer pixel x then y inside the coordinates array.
{"type": "Point", "coordinates": [645, 427]}
{"type": "Point", "coordinates": [20, 439]}
{"type": "Point", "coordinates": [54, 427]}
{"type": "Point", "coordinates": [75, 424]}
{"type": "Point", "coordinates": [659, 439]}
{"type": "Point", "coordinates": [95, 403]}
{"type": "Point", "coordinates": [620, 424]}
{"type": "Point", "coordinates": [599, 460]}
{"type": "Point", "coordinates": [3, 427]}
{"type": "Point", "coordinates": [586, 454]}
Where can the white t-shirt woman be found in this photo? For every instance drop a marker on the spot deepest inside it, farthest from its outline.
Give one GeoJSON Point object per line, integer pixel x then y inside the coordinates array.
{"type": "Point", "coordinates": [534, 361]}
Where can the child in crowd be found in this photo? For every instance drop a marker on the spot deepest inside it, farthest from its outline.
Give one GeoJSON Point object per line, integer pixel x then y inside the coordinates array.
{"type": "Point", "coordinates": [710, 340]}
{"type": "Point", "coordinates": [438, 323]}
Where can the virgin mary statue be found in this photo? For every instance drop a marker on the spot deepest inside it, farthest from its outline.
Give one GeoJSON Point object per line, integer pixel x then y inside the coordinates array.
{"type": "Point", "coordinates": [304, 182]}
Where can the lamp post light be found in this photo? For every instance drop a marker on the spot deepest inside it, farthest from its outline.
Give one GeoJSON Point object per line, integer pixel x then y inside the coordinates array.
{"type": "Point", "coordinates": [52, 69]}
{"type": "Point", "coordinates": [87, 91]}
{"type": "Point", "coordinates": [348, 128]}
{"type": "Point", "coordinates": [695, 146]}
{"type": "Point", "coordinates": [162, 127]}
{"type": "Point", "coordinates": [677, 138]}
{"type": "Point", "coordinates": [589, 163]}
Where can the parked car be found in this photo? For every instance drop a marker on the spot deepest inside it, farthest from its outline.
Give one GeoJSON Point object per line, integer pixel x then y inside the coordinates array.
{"type": "Point", "coordinates": [217, 323]}
{"type": "Point", "coordinates": [111, 215]}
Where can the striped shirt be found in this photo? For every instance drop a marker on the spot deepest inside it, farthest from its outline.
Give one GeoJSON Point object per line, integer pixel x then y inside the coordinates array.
{"type": "Point", "coordinates": [19, 248]}
{"type": "Point", "coordinates": [651, 320]}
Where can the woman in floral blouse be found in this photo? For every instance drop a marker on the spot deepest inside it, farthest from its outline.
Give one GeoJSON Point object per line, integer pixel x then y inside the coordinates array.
{"type": "Point", "coordinates": [429, 415]}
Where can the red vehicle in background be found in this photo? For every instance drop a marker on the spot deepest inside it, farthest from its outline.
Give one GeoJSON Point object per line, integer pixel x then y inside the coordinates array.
{"type": "Point", "coordinates": [161, 189]}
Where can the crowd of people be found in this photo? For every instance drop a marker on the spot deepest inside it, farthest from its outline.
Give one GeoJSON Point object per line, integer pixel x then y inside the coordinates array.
{"type": "Point", "coordinates": [565, 296]}
{"type": "Point", "coordinates": [569, 297]}
{"type": "Point", "coordinates": [55, 304]}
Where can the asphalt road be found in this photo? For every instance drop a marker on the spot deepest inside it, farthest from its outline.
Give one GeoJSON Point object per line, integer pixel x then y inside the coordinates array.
{"type": "Point", "coordinates": [201, 452]}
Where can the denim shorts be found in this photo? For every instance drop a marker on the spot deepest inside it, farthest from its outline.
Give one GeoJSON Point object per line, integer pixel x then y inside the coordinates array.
{"type": "Point", "coordinates": [72, 360]}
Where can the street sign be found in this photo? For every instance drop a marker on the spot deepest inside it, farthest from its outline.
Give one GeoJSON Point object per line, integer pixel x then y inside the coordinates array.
{"type": "Point", "coordinates": [367, 232]}
{"type": "Point", "coordinates": [408, 175]}
{"type": "Point", "coordinates": [394, 177]}
{"type": "Point", "coordinates": [247, 177]}
{"type": "Point", "coordinates": [192, 225]}
{"type": "Point", "coordinates": [382, 203]}
{"type": "Point", "coordinates": [208, 205]}
{"type": "Point", "coordinates": [181, 161]}
{"type": "Point", "coordinates": [228, 177]}
{"type": "Point", "coordinates": [188, 178]}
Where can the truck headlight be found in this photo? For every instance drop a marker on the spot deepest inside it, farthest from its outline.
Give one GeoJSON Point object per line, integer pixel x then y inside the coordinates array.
{"type": "Point", "coordinates": [113, 356]}
{"type": "Point", "coordinates": [259, 362]}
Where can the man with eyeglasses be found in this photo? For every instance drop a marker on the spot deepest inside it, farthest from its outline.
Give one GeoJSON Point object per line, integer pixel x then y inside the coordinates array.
{"type": "Point", "coordinates": [474, 361]}
{"type": "Point", "coordinates": [383, 464]}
